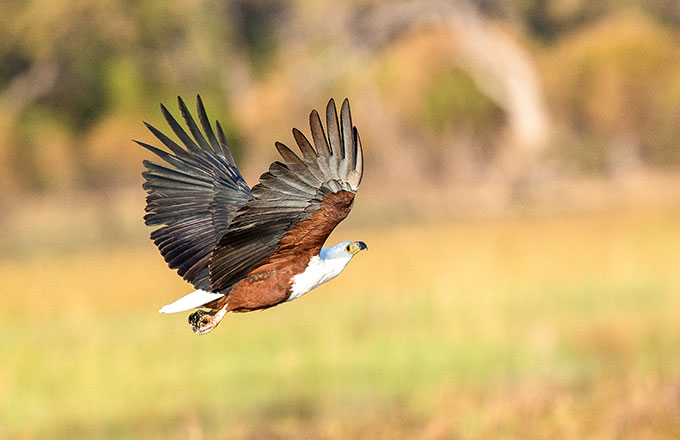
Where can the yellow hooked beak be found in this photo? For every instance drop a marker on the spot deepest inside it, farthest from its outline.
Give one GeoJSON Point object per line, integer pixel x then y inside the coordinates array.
{"type": "Point", "coordinates": [356, 247]}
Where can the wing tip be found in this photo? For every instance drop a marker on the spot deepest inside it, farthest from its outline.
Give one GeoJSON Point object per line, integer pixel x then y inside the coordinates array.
{"type": "Point", "coordinates": [199, 101]}
{"type": "Point", "coordinates": [331, 102]}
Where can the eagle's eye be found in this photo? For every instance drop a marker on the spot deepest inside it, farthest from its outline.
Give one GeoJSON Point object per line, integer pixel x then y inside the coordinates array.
{"type": "Point", "coordinates": [347, 248]}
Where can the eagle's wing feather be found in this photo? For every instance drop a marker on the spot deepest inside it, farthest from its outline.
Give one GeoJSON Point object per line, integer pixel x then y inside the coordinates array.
{"type": "Point", "coordinates": [289, 193]}
{"type": "Point", "coordinates": [194, 197]}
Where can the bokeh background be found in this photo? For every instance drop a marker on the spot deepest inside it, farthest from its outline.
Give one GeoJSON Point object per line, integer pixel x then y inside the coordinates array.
{"type": "Point", "coordinates": [521, 204]}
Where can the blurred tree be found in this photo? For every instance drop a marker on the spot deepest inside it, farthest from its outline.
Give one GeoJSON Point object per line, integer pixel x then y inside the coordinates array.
{"type": "Point", "coordinates": [500, 75]}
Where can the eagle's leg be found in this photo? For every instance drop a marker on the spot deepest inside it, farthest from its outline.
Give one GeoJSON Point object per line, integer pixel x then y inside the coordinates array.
{"type": "Point", "coordinates": [203, 322]}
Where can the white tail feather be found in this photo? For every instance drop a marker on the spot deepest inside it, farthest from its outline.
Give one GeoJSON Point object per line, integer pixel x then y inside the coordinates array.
{"type": "Point", "coordinates": [195, 299]}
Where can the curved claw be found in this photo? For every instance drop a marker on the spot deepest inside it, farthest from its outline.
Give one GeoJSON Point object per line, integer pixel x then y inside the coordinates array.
{"type": "Point", "coordinates": [203, 322]}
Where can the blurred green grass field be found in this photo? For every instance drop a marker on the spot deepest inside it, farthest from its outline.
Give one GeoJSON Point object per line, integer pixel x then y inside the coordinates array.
{"type": "Point", "coordinates": [522, 327]}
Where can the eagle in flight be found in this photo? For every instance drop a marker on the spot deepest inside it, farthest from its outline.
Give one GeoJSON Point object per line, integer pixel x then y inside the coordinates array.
{"type": "Point", "coordinates": [242, 248]}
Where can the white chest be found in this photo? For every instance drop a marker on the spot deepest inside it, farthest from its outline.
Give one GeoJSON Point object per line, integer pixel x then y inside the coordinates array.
{"type": "Point", "coordinates": [318, 271]}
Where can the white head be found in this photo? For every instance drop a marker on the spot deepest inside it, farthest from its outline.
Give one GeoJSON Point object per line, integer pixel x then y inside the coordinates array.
{"type": "Point", "coordinates": [343, 250]}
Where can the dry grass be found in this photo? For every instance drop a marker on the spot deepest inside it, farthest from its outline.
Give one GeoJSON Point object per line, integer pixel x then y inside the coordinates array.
{"type": "Point", "coordinates": [537, 327]}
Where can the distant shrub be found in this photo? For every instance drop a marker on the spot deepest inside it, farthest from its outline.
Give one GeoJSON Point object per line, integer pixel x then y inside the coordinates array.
{"type": "Point", "coordinates": [452, 102]}
{"type": "Point", "coordinates": [615, 89]}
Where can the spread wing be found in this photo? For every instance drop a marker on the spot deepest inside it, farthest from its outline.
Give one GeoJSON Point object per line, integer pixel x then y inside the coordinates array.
{"type": "Point", "coordinates": [194, 195]}
{"type": "Point", "coordinates": [297, 203]}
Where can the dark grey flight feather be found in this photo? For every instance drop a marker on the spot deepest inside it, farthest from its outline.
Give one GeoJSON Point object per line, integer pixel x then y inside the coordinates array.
{"type": "Point", "coordinates": [348, 144]}
{"type": "Point", "coordinates": [336, 143]}
{"type": "Point", "coordinates": [224, 145]}
{"type": "Point", "coordinates": [207, 128]}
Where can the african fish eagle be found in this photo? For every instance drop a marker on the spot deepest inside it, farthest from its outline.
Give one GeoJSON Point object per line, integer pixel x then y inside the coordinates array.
{"type": "Point", "coordinates": [242, 248]}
